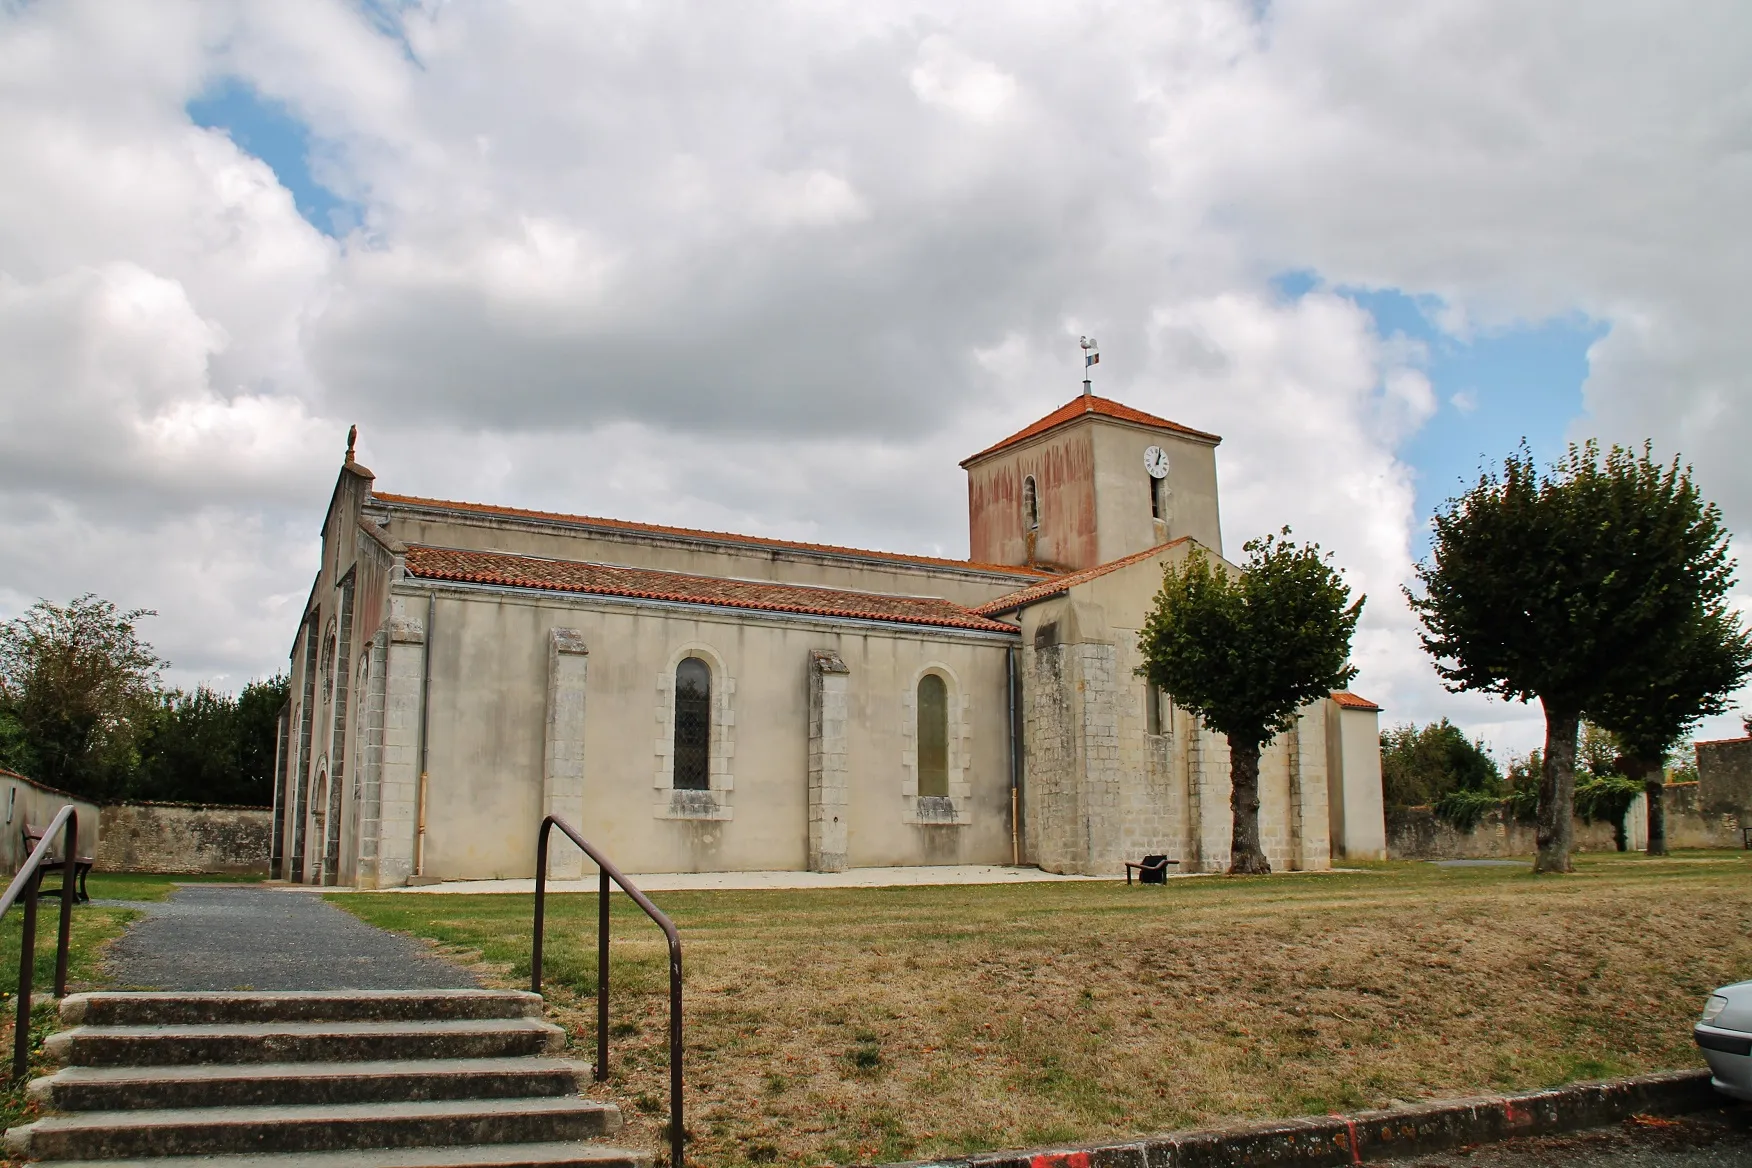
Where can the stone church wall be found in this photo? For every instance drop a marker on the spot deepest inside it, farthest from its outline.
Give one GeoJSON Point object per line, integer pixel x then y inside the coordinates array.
{"type": "Point", "coordinates": [186, 838]}
{"type": "Point", "coordinates": [491, 721]}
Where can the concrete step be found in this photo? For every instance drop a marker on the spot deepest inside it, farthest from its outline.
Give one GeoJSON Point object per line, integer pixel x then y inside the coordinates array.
{"type": "Point", "coordinates": [212, 1009]}
{"type": "Point", "coordinates": [556, 1155]}
{"type": "Point", "coordinates": [135, 1088]}
{"type": "Point", "coordinates": [114, 1135]}
{"type": "Point", "coordinates": [285, 1042]}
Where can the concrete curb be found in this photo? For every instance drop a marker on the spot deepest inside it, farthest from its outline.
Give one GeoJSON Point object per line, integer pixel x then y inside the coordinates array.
{"type": "Point", "coordinates": [1317, 1141]}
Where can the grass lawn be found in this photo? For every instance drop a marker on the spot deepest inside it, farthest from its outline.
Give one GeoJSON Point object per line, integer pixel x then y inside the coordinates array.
{"type": "Point", "coordinates": [886, 1024]}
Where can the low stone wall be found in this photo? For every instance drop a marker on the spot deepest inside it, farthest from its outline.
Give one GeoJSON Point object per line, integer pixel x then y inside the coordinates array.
{"type": "Point", "coordinates": [1692, 823]}
{"type": "Point", "coordinates": [184, 838]}
{"type": "Point", "coordinates": [1414, 833]}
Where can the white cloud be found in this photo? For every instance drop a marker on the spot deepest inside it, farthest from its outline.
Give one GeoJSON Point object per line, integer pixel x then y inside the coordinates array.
{"type": "Point", "coordinates": [777, 269]}
{"type": "Point", "coordinates": [945, 76]}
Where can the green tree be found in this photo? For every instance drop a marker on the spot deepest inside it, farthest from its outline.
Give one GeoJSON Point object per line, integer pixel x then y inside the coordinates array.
{"type": "Point", "coordinates": [1245, 653]}
{"type": "Point", "coordinates": [1688, 676]}
{"type": "Point", "coordinates": [77, 685]}
{"type": "Point", "coordinates": [1553, 586]}
{"type": "Point", "coordinates": [1422, 764]}
{"type": "Point", "coordinates": [211, 747]}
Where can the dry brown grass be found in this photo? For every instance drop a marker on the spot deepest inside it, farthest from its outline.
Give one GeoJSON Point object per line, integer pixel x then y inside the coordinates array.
{"type": "Point", "coordinates": [855, 1025]}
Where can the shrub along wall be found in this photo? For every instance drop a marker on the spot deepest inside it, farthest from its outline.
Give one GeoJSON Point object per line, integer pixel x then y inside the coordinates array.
{"type": "Point", "coordinates": [185, 838]}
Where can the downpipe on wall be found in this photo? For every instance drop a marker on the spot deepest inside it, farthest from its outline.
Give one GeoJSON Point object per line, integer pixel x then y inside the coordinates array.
{"type": "Point", "coordinates": [1015, 760]}
{"type": "Point", "coordinates": [425, 719]}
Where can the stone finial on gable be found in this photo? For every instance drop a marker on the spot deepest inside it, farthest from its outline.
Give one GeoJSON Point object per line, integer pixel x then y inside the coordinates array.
{"type": "Point", "coordinates": [352, 441]}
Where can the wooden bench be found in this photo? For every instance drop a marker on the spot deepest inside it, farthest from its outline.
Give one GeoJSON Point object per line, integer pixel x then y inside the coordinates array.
{"type": "Point", "coordinates": [1153, 870]}
{"type": "Point", "coordinates": [81, 865]}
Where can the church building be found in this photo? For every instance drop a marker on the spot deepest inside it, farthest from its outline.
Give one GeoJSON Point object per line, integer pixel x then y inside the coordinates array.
{"type": "Point", "coordinates": [695, 701]}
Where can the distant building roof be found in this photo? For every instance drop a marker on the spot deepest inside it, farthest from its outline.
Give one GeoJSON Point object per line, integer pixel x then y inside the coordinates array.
{"type": "Point", "coordinates": [514, 571]}
{"type": "Point", "coordinates": [1350, 701]}
{"type": "Point", "coordinates": [694, 533]}
{"type": "Point", "coordinates": [1061, 584]}
{"type": "Point", "coordinates": [1081, 406]}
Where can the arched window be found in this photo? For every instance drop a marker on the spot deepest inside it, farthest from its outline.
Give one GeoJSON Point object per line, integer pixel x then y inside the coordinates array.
{"type": "Point", "coordinates": [693, 725]}
{"type": "Point", "coordinates": [933, 737]}
{"type": "Point", "coordinates": [1030, 504]}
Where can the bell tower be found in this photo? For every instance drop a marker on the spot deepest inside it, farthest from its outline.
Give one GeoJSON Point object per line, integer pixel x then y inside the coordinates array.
{"type": "Point", "coordinates": [1091, 482]}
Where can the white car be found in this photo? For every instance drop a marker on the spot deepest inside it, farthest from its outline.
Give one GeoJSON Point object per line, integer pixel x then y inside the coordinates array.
{"type": "Point", "coordinates": [1725, 1034]}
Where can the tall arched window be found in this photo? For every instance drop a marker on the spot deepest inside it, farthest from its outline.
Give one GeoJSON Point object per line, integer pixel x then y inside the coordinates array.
{"type": "Point", "coordinates": [1158, 498]}
{"type": "Point", "coordinates": [1030, 504]}
{"type": "Point", "coordinates": [693, 725]}
{"type": "Point", "coordinates": [933, 737]}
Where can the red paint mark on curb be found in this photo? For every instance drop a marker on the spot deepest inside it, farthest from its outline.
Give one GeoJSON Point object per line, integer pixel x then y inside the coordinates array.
{"type": "Point", "coordinates": [1517, 1116]}
{"type": "Point", "coordinates": [1350, 1126]}
{"type": "Point", "coordinates": [1060, 1160]}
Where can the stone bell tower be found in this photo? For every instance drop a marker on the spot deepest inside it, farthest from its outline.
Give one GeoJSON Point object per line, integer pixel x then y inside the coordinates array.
{"type": "Point", "coordinates": [1091, 482]}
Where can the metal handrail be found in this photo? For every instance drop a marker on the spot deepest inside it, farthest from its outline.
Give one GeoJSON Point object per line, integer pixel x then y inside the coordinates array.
{"type": "Point", "coordinates": [27, 883]}
{"type": "Point", "coordinates": [607, 871]}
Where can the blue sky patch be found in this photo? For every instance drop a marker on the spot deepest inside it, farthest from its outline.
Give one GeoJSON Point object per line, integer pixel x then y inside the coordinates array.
{"type": "Point", "coordinates": [269, 130]}
{"type": "Point", "coordinates": [1493, 389]}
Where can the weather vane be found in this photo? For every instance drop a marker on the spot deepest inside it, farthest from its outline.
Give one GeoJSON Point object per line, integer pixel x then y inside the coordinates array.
{"type": "Point", "coordinates": [1091, 356]}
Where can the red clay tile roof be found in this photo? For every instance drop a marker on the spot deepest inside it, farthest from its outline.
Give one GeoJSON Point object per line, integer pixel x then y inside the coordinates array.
{"type": "Point", "coordinates": [694, 533]}
{"type": "Point", "coordinates": [1089, 404]}
{"type": "Point", "coordinates": [433, 563]}
{"type": "Point", "coordinates": [1350, 701]}
{"type": "Point", "coordinates": [1060, 584]}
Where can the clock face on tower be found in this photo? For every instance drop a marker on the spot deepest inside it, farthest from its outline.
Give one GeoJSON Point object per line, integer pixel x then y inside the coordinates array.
{"type": "Point", "coordinates": [1156, 462]}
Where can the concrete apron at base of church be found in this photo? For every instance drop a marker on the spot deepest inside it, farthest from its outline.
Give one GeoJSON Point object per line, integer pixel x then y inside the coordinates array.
{"type": "Point", "coordinates": [700, 702]}
{"type": "Point", "coordinates": [373, 1079]}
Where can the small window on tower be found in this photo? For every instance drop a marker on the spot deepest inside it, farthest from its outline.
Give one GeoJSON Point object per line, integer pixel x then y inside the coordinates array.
{"type": "Point", "coordinates": [1030, 505]}
{"type": "Point", "coordinates": [1158, 498]}
{"type": "Point", "coordinates": [1152, 709]}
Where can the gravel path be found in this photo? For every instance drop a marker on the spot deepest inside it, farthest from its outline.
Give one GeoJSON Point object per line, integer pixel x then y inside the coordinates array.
{"type": "Point", "coordinates": [229, 937]}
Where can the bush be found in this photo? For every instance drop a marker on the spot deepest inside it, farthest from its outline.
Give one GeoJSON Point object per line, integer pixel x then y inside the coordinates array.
{"type": "Point", "coordinates": [1422, 765]}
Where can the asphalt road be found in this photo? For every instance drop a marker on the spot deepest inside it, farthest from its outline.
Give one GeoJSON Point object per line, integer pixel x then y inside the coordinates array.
{"type": "Point", "coordinates": [242, 937]}
{"type": "Point", "coordinates": [1709, 1140]}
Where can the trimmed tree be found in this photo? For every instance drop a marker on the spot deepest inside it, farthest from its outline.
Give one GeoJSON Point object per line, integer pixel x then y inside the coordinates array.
{"type": "Point", "coordinates": [1555, 587]}
{"type": "Point", "coordinates": [1687, 677]}
{"type": "Point", "coordinates": [1244, 653]}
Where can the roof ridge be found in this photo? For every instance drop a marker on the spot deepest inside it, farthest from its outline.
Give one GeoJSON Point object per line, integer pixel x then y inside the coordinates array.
{"type": "Point", "coordinates": [1084, 405]}
{"type": "Point", "coordinates": [1026, 596]}
{"type": "Point", "coordinates": [709, 576]}
{"type": "Point", "coordinates": [516, 570]}
{"type": "Point", "coordinates": [701, 533]}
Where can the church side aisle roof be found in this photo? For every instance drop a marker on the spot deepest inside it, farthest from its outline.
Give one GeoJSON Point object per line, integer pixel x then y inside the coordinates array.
{"type": "Point", "coordinates": [1061, 584]}
{"type": "Point", "coordinates": [1351, 701]}
{"type": "Point", "coordinates": [628, 526]}
{"type": "Point", "coordinates": [1084, 404]}
{"type": "Point", "coordinates": [514, 571]}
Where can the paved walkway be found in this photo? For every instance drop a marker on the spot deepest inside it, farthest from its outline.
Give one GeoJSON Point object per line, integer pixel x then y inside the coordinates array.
{"type": "Point", "coordinates": [234, 936]}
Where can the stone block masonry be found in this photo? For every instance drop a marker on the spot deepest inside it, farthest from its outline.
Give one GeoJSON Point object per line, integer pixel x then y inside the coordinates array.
{"type": "Point", "coordinates": [829, 769]}
{"type": "Point", "coordinates": [185, 838]}
{"type": "Point", "coordinates": [563, 763]}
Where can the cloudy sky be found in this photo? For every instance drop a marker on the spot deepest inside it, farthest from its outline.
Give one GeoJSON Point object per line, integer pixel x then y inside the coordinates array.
{"type": "Point", "coordinates": [775, 268]}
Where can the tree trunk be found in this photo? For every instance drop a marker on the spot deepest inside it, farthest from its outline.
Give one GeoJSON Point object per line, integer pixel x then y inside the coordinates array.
{"type": "Point", "coordinates": [1245, 856]}
{"type": "Point", "coordinates": [1654, 785]}
{"type": "Point", "coordinates": [1557, 790]}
